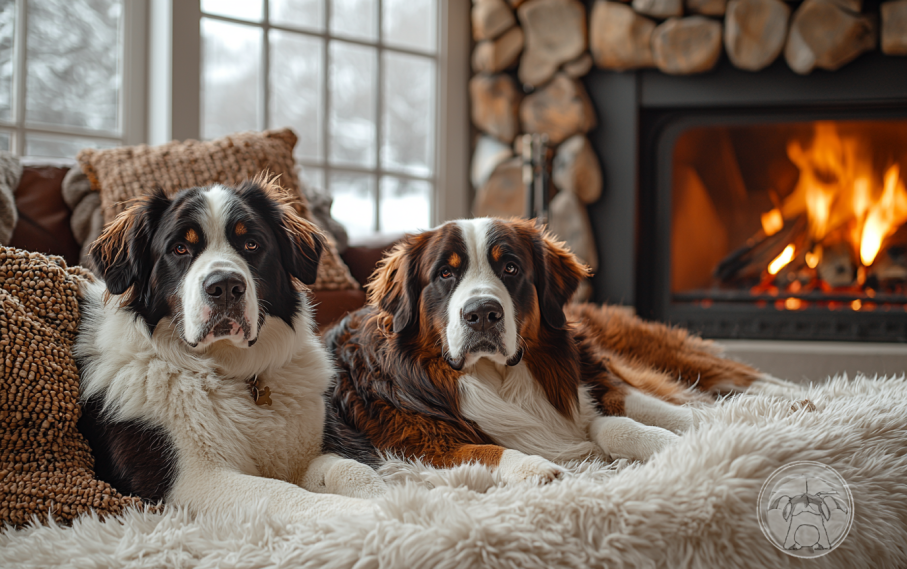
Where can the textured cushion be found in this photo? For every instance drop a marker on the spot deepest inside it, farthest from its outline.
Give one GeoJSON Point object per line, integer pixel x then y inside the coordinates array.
{"type": "Point", "coordinates": [121, 174]}
{"type": "Point", "coordinates": [45, 463]}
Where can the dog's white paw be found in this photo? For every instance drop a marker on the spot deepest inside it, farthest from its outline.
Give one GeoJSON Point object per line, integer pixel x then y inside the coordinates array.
{"type": "Point", "coordinates": [518, 467]}
{"type": "Point", "coordinates": [330, 474]}
{"type": "Point", "coordinates": [622, 437]}
{"type": "Point", "coordinates": [350, 478]}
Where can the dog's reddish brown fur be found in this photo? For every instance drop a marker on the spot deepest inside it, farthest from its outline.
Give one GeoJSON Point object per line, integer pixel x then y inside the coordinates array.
{"type": "Point", "coordinates": [397, 388]}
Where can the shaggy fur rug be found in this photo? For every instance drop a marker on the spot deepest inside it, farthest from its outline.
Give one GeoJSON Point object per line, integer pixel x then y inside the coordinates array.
{"type": "Point", "coordinates": [693, 505]}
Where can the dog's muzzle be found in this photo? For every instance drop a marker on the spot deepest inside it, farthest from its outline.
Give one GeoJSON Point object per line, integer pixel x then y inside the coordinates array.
{"type": "Point", "coordinates": [484, 316]}
{"type": "Point", "coordinates": [225, 295]}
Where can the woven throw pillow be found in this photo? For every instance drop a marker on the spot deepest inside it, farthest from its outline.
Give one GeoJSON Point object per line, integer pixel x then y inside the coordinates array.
{"type": "Point", "coordinates": [121, 174]}
{"type": "Point", "coordinates": [45, 463]}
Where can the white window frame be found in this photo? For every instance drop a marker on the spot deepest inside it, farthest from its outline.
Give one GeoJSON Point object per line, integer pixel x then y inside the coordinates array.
{"type": "Point", "coordinates": [131, 103]}
{"type": "Point", "coordinates": [175, 87]}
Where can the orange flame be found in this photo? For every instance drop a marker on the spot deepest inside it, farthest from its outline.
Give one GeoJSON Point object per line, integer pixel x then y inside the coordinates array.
{"type": "Point", "coordinates": [839, 189]}
{"type": "Point", "coordinates": [772, 222]}
{"type": "Point", "coordinates": [884, 217]}
{"type": "Point", "coordinates": [781, 260]}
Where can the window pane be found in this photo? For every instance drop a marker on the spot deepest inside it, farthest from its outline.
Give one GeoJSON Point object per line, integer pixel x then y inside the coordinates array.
{"type": "Point", "coordinates": [4, 141]}
{"type": "Point", "coordinates": [7, 38]}
{"type": "Point", "coordinates": [354, 202]}
{"type": "Point", "coordinates": [353, 96]}
{"type": "Point", "coordinates": [409, 23]}
{"type": "Point", "coordinates": [239, 9]}
{"type": "Point", "coordinates": [307, 14]}
{"type": "Point", "coordinates": [49, 146]}
{"type": "Point", "coordinates": [296, 87]}
{"type": "Point", "coordinates": [73, 56]}
{"type": "Point", "coordinates": [231, 75]}
{"type": "Point", "coordinates": [405, 205]}
{"type": "Point", "coordinates": [408, 114]}
{"type": "Point", "coordinates": [313, 177]}
{"type": "Point", "coordinates": [355, 18]}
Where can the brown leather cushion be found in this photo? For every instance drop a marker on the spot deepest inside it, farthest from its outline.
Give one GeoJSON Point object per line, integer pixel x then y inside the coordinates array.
{"type": "Point", "coordinates": [332, 305]}
{"type": "Point", "coordinates": [43, 215]}
{"type": "Point", "coordinates": [362, 256]}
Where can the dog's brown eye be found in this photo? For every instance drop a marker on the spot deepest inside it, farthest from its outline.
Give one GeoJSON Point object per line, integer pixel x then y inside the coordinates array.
{"type": "Point", "coordinates": [446, 273]}
{"type": "Point", "coordinates": [180, 249]}
{"type": "Point", "coordinates": [251, 246]}
{"type": "Point", "coordinates": [511, 269]}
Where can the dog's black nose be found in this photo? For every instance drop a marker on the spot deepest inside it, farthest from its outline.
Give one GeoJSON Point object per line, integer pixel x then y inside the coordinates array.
{"type": "Point", "coordinates": [481, 314]}
{"type": "Point", "coordinates": [225, 288]}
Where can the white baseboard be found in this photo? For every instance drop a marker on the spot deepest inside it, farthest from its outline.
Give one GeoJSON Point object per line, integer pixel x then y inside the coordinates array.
{"type": "Point", "coordinates": [816, 361]}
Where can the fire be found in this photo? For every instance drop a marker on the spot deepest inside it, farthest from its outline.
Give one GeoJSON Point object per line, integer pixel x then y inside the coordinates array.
{"type": "Point", "coordinates": [884, 216]}
{"type": "Point", "coordinates": [842, 194]}
{"type": "Point", "coordinates": [772, 222]}
{"type": "Point", "coordinates": [781, 260]}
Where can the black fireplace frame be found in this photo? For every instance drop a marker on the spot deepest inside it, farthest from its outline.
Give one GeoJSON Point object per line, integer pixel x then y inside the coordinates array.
{"type": "Point", "coordinates": [640, 115]}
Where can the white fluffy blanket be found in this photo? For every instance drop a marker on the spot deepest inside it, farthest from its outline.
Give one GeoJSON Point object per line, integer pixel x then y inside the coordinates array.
{"type": "Point", "coordinates": [693, 505]}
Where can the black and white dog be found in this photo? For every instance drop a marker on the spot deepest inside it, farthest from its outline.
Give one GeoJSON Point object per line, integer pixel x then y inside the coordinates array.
{"type": "Point", "coordinates": [202, 375]}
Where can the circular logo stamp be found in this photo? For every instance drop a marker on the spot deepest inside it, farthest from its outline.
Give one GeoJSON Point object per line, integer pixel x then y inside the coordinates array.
{"type": "Point", "coordinates": [805, 509]}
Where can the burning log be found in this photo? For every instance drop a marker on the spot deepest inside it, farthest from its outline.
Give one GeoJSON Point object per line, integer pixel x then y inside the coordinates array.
{"type": "Point", "coordinates": [555, 34]}
{"type": "Point", "coordinates": [754, 32]}
{"type": "Point", "coordinates": [890, 269]}
{"type": "Point", "coordinates": [837, 267]}
{"type": "Point", "coordinates": [751, 260]}
{"type": "Point", "coordinates": [687, 45]}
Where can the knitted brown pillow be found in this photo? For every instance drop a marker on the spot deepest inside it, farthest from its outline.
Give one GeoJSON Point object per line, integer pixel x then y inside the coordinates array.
{"type": "Point", "coordinates": [45, 463]}
{"type": "Point", "coordinates": [121, 174]}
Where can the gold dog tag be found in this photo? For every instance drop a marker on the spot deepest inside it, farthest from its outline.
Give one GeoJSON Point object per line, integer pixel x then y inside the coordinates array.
{"type": "Point", "coordinates": [260, 396]}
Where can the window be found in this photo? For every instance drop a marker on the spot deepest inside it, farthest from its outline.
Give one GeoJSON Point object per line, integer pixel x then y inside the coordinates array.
{"type": "Point", "coordinates": [62, 76]}
{"type": "Point", "coordinates": [355, 79]}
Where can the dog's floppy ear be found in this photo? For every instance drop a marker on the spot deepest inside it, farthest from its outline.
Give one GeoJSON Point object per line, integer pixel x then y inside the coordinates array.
{"type": "Point", "coordinates": [122, 254]}
{"type": "Point", "coordinates": [301, 242]}
{"type": "Point", "coordinates": [301, 245]}
{"type": "Point", "coordinates": [395, 286]}
{"type": "Point", "coordinates": [557, 276]}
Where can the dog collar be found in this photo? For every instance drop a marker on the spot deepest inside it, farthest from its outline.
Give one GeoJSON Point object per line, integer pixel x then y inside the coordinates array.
{"type": "Point", "coordinates": [259, 396]}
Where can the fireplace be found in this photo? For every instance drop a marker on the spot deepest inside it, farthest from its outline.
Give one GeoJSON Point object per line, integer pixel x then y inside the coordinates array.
{"type": "Point", "coordinates": [756, 205]}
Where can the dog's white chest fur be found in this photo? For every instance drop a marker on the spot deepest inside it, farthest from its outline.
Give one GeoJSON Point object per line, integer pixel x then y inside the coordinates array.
{"type": "Point", "coordinates": [508, 404]}
{"type": "Point", "coordinates": [202, 399]}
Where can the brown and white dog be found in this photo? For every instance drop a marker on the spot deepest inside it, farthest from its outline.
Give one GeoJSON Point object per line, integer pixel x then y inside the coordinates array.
{"type": "Point", "coordinates": [466, 353]}
{"type": "Point", "coordinates": [203, 378]}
